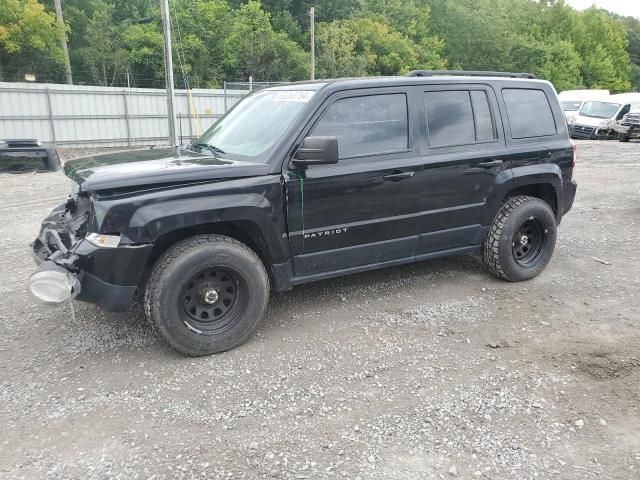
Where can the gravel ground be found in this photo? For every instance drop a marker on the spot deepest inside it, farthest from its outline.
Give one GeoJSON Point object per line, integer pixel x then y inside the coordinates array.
{"type": "Point", "coordinates": [433, 370]}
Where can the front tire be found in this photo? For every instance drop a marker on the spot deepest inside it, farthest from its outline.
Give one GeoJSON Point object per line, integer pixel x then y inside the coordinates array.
{"type": "Point", "coordinates": [623, 137]}
{"type": "Point", "coordinates": [206, 294]}
{"type": "Point", "coordinates": [521, 239]}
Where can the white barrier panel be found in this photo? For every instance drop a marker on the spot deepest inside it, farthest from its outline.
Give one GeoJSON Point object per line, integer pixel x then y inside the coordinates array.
{"type": "Point", "coordinates": [82, 116]}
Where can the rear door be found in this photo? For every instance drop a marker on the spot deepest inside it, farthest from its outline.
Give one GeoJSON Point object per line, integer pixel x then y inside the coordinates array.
{"type": "Point", "coordinates": [536, 135]}
{"type": "Point", "coordinates": [359, 211]}
{"type": "Point", "coordinates": [465, 164]}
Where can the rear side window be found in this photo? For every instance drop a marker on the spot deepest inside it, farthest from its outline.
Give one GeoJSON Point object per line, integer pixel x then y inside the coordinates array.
{"type": "Point", "coordinates": [529, 113]}
{"type": "Point", "coordinates": [458, 117]}
{"type": "Point", "coordinates": [485, 129]}
{"type": "Point", "coordinates": [367, 125]}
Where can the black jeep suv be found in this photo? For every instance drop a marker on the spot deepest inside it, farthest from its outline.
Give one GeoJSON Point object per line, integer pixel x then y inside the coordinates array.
{"type": "Point", "coordinates": [310, 181]}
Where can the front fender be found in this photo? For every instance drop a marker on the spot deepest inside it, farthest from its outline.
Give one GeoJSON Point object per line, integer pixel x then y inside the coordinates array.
{"type": "Point", "coordinates": [153, 221]}
{"type": "Point", "coordinates": [146, 217]}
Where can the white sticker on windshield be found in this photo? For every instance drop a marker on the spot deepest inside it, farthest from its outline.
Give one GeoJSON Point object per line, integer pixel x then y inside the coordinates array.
{"type": "Point", "coordinates": [293, 96]}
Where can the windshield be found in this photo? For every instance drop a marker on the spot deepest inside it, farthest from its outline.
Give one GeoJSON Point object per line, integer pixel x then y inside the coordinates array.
{"type": "Point", "coordinates": [599, 109]}
{"type": "Point", "coordinates": [256, 123]}
{"type": "Point", "coordinates": [571, 105]}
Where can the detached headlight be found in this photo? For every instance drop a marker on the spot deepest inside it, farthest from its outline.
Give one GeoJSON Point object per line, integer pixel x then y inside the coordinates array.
{"type": "Point", "coordinates": [51, 284]}
{"type": "Point", "coordinates": [105, 241]}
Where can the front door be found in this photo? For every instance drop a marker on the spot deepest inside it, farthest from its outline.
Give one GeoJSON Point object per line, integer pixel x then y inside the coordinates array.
{"type": "Point", "coordinates": [359, 211]}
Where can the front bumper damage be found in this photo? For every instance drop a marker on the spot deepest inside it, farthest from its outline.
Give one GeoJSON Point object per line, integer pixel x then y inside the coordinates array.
{"type": "Point", "coordinates": [631, 130]}
{"type": "Point", "coordinates": [589, 132]}
{"type": "Point", "coordinates": [107, 277]}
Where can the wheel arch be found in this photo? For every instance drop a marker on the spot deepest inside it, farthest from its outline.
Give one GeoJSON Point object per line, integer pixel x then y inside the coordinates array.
{"type": "Point", "coordinates": [539, 181]}
{"type": "Point", "coordinates": [544, 191]}
{"type": "Point", "coordinates": [245, 231]}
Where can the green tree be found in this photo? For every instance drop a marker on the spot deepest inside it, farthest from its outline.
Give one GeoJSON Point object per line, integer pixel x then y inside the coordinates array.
{"type": "Point", "coordinates": [601, 41]}
{"type": "Point", "coordinates": [336, 52]}
{"type": "Point", "coordinates": [411, 19]}
{"type": "Point", "coordinates": [562, 66]}
{"type": "Point", "coordinates": [103, 58]}
{"type": "Point", "coordinates": [28, 37]}
{"type": "Point", "coordinates": [200, 28]}
{"type": "Point", "coordinates": [146, 60]}
{"type": "Point", "coordinates": [635, 77]}
{"type": "Point", "coordinates": [546, 37]}
{"type": "Point", "coordinates": [253, 48]}
{"type": "Point", "coordinates": [368, 46]}
{"type": "Point", "coordinates": [632, 26]}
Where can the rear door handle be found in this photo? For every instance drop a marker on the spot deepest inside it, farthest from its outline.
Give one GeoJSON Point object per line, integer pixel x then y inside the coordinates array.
{"type": "Point", "coordinates": [492, 163]}
{"type": "Point", "coordinates": [396, 177]}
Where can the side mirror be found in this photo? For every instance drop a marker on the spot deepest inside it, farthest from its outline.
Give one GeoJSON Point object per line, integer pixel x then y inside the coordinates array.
{"type": "Point", "coordinates": [317, 151]}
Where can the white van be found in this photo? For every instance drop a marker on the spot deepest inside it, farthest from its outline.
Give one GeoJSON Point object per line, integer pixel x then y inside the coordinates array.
{"type": "Point", "coordinates": [597, 118]}
{"type": "Point", "coordinates": [572, 100]}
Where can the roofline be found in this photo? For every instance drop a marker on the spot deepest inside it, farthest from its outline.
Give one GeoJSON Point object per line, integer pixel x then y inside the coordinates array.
{"type": "Point", "coordinates": [413, 79]}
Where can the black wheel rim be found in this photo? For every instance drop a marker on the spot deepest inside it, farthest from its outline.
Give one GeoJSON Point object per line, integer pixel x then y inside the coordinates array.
{"type": "Point", "coordinates": [528, 242]}
{"type": "Point", "coordinates": [211, 301]}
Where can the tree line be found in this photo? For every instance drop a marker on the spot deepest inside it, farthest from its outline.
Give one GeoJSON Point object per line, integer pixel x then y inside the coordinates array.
{"type": "Point", "coordinates": [119, 42]}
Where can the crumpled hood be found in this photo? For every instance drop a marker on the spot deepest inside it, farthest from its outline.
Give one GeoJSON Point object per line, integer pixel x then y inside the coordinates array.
{"type": "Point", "coordinates": [153, 166]}
{"type": "Point", "coordinates": [589, 121]}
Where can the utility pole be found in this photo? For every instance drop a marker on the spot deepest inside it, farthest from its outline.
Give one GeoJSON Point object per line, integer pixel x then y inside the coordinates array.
{"type": "Point", "coordinates": [63, 41]}
{"type": "Point", "coordinates": [168, 73]}
{"type": "Point", "coordinates": [312, 14]}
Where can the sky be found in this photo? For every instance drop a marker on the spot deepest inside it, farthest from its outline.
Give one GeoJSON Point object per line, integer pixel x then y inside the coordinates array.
{"type": "Point", "coordinates": [629, 8]}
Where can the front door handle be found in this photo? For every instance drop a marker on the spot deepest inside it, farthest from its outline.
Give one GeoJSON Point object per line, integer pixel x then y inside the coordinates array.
{"type": "Point", "coordinates": [489, 164]}
{"type": "Point", "coordinates": [396, 177]}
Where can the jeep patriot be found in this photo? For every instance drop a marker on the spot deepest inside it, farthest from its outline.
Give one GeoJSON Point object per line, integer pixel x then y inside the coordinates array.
{"type": "Point", "coordinates": [309, 181]}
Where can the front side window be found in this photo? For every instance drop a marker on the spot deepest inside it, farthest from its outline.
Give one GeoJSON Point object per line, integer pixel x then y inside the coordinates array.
{"type": "Point", "coordinates": [458, 117]}
{"type": "Point", "coordinates": [623, 112]}
{"type": "Point", "coordinates": [529, 113]}
{"type": "Point", "coordinates": [367, 125]}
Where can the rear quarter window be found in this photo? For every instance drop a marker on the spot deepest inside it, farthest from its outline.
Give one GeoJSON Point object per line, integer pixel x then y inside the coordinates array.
{"type": "Point", "coordinates": [529, 113]}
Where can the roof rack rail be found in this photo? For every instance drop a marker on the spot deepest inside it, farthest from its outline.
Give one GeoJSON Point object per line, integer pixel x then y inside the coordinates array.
{"type": "Point", "coordinates": [467, 73]}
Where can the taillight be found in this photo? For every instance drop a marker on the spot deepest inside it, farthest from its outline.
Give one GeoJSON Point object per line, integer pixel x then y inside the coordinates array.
{"type": "Point", "coordinates": [574, 147]}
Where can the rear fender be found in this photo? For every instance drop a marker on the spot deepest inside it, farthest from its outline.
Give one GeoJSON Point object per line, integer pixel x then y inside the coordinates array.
{"type": "Point", "coordinates": [540, 174]}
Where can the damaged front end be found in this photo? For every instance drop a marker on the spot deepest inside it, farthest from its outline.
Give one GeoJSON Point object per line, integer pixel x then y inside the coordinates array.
{"type": "Point", "coordinates": [74, 261]}
{"type": "Point", "coordinates": [57, 278]}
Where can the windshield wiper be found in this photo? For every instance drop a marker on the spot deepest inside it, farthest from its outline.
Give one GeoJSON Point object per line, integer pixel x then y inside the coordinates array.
{"type": "Point", "coordinates": [212, 148]}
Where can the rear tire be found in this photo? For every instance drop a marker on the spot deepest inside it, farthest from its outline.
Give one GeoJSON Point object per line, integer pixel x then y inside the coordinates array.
{"type": "Point", "coordinates": [623, 137]}
{"type": "Point", "coordinates": [521, 239]}
{"type": "Point", "coordinates": [206, 294]}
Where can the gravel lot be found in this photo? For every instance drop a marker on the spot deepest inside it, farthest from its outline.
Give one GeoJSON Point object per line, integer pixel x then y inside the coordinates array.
{"type": "Point", "coordinates": [433, 370]}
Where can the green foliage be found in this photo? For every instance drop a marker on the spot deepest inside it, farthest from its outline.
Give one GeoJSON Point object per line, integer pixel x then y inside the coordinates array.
{"type": "Point", "coordinates": [632, 26]}
{"type": "Point", "coordinates": [602, 43]}
{"type": "Point", "coordinates": [253, 48]}
{"type": "Point", "coordinates": [548, 38]}
{"type": "Point", "coordinates": [28, 34]}
{"type": "Point", "coordinates": [218, 40]}
{"type": "Point", "coordinates": [635, 77]}
{"type": "Point", "coordinates": [336, 52]}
